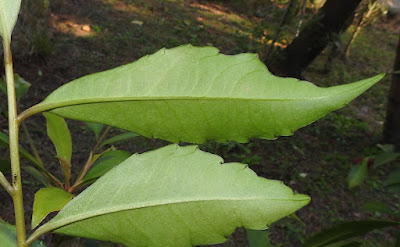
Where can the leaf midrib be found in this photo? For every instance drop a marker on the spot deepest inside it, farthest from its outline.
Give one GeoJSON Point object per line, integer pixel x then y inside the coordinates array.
{"type": "Point", "coordinates": [96, 213]}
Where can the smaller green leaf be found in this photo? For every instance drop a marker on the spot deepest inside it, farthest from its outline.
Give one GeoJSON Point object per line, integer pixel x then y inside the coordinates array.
{"type": "Point", "coordinates": [57, 130]}
{"type": "Point", "coordinates": [393, 181]}
{"type": "Point", "coordinates": [36, 174]}
{"type": "Point", "coordinates": [5, 165]}
{"type": "Point", "coordinates": [256, 238]}
{"type": "Point", "coordinates": [48, 200]}
{"type": "Point", "coordinates": [385, 158]}
{"type": "Point", "coordinates": [119, 138]}
{"type": "Point", "coordinates": [8, 16]}
{"type": "Point", "coordinates": [96, 128]}
{"type": "Point", "coordinates": [387, 148]}
{"type": "Point", "coordinates": [345, 231]}
{"type": "Point", "coordinates": [358, 174]}
{"type": "Point", "coordinates": [21, 86]}
{"type": "Point", "coordinates": [105, 163]}
{"type": "Point", "coordinates": [8, 236]}
{"type": "Point", "coordinates": [377, 207]}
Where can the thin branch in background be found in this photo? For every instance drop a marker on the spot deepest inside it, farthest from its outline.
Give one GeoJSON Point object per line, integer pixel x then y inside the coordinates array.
{"type": "Point", "coordinates": [301, 15]}
{"type": "Point", "coordinates": [101, 138]}
{"type": "Point", "coordinates": [365, 16]}
{"type": "Point", "coordinates": [32, 144]}
{"type": "Point", "coordinates": [278, 32]}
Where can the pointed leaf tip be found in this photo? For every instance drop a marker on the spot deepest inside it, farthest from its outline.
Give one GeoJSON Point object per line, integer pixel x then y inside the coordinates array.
{"type": "Point", "coordinates": [175, 196]}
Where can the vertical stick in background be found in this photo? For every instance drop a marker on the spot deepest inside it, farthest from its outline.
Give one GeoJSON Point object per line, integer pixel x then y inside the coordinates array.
{"type": "Point", "coordinates": [283, 20]}
{"type": "Point", "coordinates": [365, 16]}
{"type": "Point", "coordinates": [391, 132]}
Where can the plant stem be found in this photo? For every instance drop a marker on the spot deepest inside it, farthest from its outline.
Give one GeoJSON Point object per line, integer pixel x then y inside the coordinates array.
{"type": "Point", "coordinates": [6, 185]}
{"type": "Point", "coordinates": [14, 148]}
{"type": "Point", "coordinates": [101, 138]}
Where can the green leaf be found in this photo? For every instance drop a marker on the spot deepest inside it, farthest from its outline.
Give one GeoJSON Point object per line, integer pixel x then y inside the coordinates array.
{"type": "Point", "coordinates": [378, 207]}
{"type": "Point", "coordinates": [21, 86]}
{"type": "Point", "coordinates": [345, 231]}
{"type": "Point", "coordinates": [393, 181]}
{"type": "Point", "coordinates": [105, 163]}
{"type": "Point", "coordinates": [57, 130]}
{"type": "Point", "coordinates": [175, 196]}
{"type": "Point", "coordinates": [5, 142]}
{"type": "Point", "coordinates": [8, 16]}
{"type": "Point", "coordinates": [36, 174]}
{"type": "Point", "coordinates": [194, 94]}
{"type": "Point", "coordinates": [257, 238]}
{"type": "Point", "coordinates": [48, 200]}
{"type": "Point", "coordinates": [96, 128]}
{"type": "Point", "coordinates": [119, 138]}
{"type": "Point", "coordinates": [8, 236]}
{"type": "Point", "coordinates": [387, 156]}
{"type": "Point", "coordinates": [357, 174]}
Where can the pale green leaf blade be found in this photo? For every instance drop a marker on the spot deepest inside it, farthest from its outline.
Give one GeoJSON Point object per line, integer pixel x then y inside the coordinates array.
{"type": "Point", "coordinates": [57, 130]}
{"type": "Point", "coordinates": [119, 138]}
{"type": "Point", "coordinates": [195, 94]}
{"type": "Point", "coordinates": [8, 236]}
{"type": "Point", "coordinates": [9, 10]}
{"type": "Point", "coordinates": [105, 163]}
{"type": "Point", "coordinates": [48, 200]}
{"type": "Point", "coordinates": [175, 196]}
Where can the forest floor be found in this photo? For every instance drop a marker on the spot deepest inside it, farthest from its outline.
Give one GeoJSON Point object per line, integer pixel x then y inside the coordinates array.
{"type": "Point", "coordinates": [87, 36]}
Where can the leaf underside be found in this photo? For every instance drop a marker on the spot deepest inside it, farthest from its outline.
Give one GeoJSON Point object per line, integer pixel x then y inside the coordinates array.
{"type": "Point", "coordinates": [194, 94]}
{"type": "Point", "coordinates": [175, 196]}
{"type": "Point", "coordinates": [8, 16]}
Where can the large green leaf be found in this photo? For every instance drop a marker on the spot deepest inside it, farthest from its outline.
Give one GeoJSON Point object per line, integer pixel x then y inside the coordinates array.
{"type": "Point", "coordinates": [175, 196]}
{"type": "Point", "coordinates": [8, 16]}
{"type": "Point", "coordinates": [8, 236]}
{"type": "Point", "coordinates": [346, 231]}
{"type": "Point", "coordinates": [48, 200]}
{"type": "Point", "coordinates": [194, 94]}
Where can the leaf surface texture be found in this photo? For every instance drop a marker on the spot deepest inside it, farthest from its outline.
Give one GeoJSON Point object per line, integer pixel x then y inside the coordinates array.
{"type": "Point", "coordinates": [175, 196]}
{"type": "Point", "coordinates": [194, 94]}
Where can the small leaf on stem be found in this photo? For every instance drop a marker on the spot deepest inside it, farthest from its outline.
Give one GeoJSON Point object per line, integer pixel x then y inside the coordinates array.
{"type": "Point", "coordinates": [48, 200]}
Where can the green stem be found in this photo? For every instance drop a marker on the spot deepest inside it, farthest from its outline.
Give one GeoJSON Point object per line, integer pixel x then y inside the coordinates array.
{"type": "Point", "coordinates": [6, 185]}
{"type": "Point", "coordinates": [14, 148]}
{"type": "Point", "coordinates": [101, 138]}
